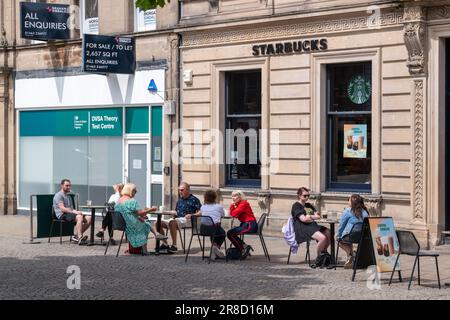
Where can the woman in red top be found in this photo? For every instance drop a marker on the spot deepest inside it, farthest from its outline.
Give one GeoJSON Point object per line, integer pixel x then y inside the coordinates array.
{"type": "Point", "coordinates": [240, 209]}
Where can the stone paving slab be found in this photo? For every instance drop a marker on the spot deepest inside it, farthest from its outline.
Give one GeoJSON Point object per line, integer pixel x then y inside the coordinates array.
{"type": "Point", "coordinates": [39, 271]}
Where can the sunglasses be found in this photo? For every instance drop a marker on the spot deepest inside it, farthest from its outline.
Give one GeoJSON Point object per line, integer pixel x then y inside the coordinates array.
{"type": "Point", "coordinates": [305, 195]}
{"type": "Point", "coordinates": [181, 190]}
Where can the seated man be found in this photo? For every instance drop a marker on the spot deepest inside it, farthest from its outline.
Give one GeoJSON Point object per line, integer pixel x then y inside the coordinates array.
{"type": "Point", "coordinates": [64, 210]}
{"type": "Point", "coordinates": [187, 205]}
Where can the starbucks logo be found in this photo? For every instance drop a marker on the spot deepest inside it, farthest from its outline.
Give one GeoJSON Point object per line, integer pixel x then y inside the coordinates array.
{"type": "Point", "coordinates": [359, 89]}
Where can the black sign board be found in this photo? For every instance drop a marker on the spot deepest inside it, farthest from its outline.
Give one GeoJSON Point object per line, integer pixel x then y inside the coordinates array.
{"type": "Point", "coordinates": [107, 54]}
{"type": "Point", "coordinates": [44, 21]}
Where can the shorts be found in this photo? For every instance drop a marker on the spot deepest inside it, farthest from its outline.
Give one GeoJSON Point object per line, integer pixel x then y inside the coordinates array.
{"type": "Point", "coordinates": [69, 217]}
{"type": "Point", "coordinates": [181, 222]}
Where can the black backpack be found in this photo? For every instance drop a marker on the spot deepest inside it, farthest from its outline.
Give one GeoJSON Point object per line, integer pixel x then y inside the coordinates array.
{"type": "Point", "coordinates": [322, 261]}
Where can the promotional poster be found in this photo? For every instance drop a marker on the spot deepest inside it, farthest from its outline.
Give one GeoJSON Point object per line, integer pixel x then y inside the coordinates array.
{"type": "Point", "coordinates": [385, 243]}
{"type": "Point", "coordinates": [355, 141]}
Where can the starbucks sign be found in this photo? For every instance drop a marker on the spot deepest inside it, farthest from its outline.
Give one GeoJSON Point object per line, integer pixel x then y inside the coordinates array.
{"type": "Point", "coordinates": [359, 89]}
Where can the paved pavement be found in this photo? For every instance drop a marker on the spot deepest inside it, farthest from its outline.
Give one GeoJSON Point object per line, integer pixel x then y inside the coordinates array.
{"type": "Point", "coordinates": [39, 271]}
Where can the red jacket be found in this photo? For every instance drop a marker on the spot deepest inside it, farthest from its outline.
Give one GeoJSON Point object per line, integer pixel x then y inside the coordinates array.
{"type": "Point", "coordinates": [243, 212]}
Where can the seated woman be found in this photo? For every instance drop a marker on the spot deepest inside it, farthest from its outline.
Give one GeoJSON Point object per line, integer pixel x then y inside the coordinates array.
{"type": "Point", "coordinates": [356, 212]}
{"type": "Point", "coordinates": [216, 212]}
{"type": "Point", "coordinates": [305, 227]}
{"type": "Point", "coordinates": [107, 220]}
{"type": "Point", "coordinates": [137, 225]}
{"type": "Point", "coordinates": [241, 210]}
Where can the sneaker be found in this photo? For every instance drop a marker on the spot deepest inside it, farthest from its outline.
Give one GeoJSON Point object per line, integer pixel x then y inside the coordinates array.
{"type": "Point", "coordinates": [349, 263]}
{"type": "Point", "coordinates": [74, 239]}
{"type": "Point", "coordinates": [219, 254]}
{"type": "Point", "coordinates": [160, 236]}
{"type": "Point", "coordinates": [113, 242]}
{"type": "Point", "coordinates": [100, 234]}
{"type": "Point", "coordinates": [82, 240]}
{"type": "Point", "coordinates": [164, 247]}
{"type": "Point", "coordinates": [172, 248]}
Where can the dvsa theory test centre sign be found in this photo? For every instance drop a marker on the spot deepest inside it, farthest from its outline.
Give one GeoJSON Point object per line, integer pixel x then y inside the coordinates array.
{"type": "Point", "coordinates": [44, 21]}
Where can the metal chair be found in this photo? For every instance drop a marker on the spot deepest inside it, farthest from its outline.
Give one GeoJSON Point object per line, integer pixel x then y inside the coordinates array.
{"type": "Point", "coordinates": [183, 236]}
{"type": "Point", "coordinates": [118, 223]}
{"type": "Point", "coordinates": [259, 233]}
{"type": "Point", "coordinates": [307, 256]}
{"type": "Point", "coordinates": [61, 221]}
{"type": "Point", "coordinates": [354, 238]}
{"type": "Point", "coordinates": [204, 226]}
{"type": "Point", "coordinates": [410, 246]}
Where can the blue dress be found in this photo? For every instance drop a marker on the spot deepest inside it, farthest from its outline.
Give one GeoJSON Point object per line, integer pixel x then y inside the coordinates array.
{"type": "Point", "coordinates": [136, 230]}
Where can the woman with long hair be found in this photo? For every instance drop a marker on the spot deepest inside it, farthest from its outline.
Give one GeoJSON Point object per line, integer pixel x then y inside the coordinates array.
{"type": "Point", "coordinates": [356, 212]}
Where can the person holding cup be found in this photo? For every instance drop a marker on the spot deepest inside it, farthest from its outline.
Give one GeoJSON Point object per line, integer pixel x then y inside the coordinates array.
{"type": "Point", "coordinates": [137, 225]}
{"type": "Point", "coordinates": [356, 212]}
{"type": "Point", "coordinates": [305, 225]}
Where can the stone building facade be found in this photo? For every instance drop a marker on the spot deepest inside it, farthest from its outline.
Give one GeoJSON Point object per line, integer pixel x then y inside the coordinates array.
{"type": "Point", "coordinates": [42, 78]}
{"type": "Point", "coordinates": [402, 47]}
{"type": "Point", "coordinates": [313, 75]}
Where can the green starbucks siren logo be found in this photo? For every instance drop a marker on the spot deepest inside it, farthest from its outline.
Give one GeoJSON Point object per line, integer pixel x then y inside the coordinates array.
{"type": "Point", "coordinates": [359, 89]}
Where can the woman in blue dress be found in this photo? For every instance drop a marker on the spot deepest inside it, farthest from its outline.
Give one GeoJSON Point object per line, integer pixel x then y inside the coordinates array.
{"type": "Point", "coordinates": [137, 224]}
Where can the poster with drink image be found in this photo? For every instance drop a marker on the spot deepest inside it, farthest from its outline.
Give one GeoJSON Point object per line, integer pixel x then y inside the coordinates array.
{"type": "Point", "coordinates": [355, 141]}
{"type": "Point", "coordinates": [385, 243]}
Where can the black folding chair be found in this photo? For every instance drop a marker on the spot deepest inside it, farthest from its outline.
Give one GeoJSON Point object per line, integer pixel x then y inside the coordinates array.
{"type": "Point", "coordinates": [259, 233]}
{"type": "Point", "coordinates": [60, 221]}
{"type": "Point", "coordinates": [118, 223]}
{"type": "Point", "coordinates": [307, 256]}
{"type": "Point", "coordinates": [410, 246]}
{"type": "Point", "coordinates": [204, 226]}
{"type": "Point", "coordinates": [354, 237]}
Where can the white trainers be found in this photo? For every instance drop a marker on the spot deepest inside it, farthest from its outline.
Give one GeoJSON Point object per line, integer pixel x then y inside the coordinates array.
{"type": "Point", "coordinates": [160, 236]}
{"type": "Point", "coordinates": [219, 254]}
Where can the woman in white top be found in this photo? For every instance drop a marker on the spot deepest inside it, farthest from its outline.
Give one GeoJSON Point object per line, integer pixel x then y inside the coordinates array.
{"type": "Point", "coordinates": [216, 212]}
{"type": "Point", "coordinates": [107, 220]}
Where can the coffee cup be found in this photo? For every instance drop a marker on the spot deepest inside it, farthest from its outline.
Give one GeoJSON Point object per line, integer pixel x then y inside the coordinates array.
{"type": "Point", "coordinates": [161, 208]}
{"type": "Point", "coordinates": [89, 203]}
{"type": "Point", "coordinates": [325, 215]}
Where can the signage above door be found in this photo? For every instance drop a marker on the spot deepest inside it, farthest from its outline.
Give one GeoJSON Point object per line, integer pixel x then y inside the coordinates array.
{"type": "Point", "coordinates": [304, 46]}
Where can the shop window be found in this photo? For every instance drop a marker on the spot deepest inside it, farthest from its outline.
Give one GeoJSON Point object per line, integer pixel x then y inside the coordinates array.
{"type": "Point", "coordinates": [89, 16]}
{"type": "Point", "coordinates": [243, 124]}
{"type": "Point", "coordinates": [349, 126]}
{"type": "Point", "coordinates": [57, 144]}
{"type": "Point", "coordinates": [136, 120]}
{"type": "Point", "coordinates": [144, 20]}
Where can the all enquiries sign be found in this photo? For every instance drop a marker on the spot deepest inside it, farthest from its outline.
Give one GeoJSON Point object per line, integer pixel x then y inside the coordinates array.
{"type": "Point", "coordinates": [106, 54]}
{"type": "Point", "coordinates": [44, 21]}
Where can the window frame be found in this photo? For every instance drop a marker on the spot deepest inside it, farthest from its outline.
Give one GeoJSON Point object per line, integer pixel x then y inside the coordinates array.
{"type": "Point", "coordinates": [329, 118]}
{"type": "Point", "coordinates": [136, 14]}
{"type": "Point", "coordinates": [83, 18]}
{"type": "Point", "coordinates": [252, 183]}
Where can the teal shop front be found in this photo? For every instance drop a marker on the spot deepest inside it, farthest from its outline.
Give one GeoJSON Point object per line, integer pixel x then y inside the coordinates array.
{"type": "Point", "coordinates": [94, 148]}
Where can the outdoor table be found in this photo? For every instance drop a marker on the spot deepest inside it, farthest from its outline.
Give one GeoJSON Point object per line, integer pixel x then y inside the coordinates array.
{"type": "Point", "coordinates": [332, 223]}
{"type": "Point", "coordinates": [92, 208]}
{"type": "Point", "coordinates": [159, 214]}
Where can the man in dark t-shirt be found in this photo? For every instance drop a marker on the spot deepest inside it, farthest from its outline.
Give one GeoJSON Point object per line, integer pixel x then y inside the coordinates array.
{"type": "Point", "coordinates": [187, 205]}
